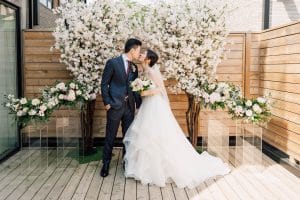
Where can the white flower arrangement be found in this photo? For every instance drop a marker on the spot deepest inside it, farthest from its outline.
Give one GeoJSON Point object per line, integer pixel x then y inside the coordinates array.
{"type": "Point", "coordinates": [254, 110]}
{"type": "Point", "coordinates": [40, 109]}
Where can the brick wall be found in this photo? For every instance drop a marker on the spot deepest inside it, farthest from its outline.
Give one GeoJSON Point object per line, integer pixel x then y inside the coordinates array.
{"type": "Point", "coordinates": [47, 18]}
{"type": "Point", "coordinates": [284, 11]}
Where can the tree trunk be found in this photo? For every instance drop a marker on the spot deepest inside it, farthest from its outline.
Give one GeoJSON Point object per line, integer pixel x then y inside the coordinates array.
{"type": "Point", "coordinates": [192, 116]}
{"type": "Point", "coordinates": [87, 118]}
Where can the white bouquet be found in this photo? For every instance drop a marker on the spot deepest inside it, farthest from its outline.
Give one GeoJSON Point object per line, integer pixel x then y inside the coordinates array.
{"type": "Point", "coordinates": [141, 84]}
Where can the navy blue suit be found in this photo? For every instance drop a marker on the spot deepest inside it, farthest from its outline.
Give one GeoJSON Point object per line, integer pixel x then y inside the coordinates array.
{"type": "Point", "coordinates": [116, 91]}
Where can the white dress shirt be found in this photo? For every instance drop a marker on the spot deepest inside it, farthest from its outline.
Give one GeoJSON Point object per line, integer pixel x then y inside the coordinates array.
{"type": "Point", "coordinates": [125, 60]}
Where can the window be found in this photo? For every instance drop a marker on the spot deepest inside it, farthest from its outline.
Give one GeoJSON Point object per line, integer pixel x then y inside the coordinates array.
{"type": "Point", "coordinates": [47, 3]}
{"type": "Point", "coordinates": [9, 74]}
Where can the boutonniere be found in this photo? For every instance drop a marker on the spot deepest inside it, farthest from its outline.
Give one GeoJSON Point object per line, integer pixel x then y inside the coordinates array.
{"type": "Point", "coordinates": [133, 68]}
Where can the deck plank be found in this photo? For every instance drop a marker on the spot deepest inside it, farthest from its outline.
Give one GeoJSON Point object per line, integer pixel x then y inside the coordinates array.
{"type": "Point", "coordinates": [248, 177]}
{"type": "Point", "coordinates": [203, 192]}
{"type": "Point", "coordinates": [256, 174]}
{"type": "Point", "coordinates": [108, 182]}
{"type": "Point", "coordinates": [192, 193]}
{"type": "Point", "coordinates": [214, 189]}
{"type": "Point", "coordinates": [95, 185]}
{"type": "Point", "coordinates": [13, 164]}
{"type": "Point", "coordinates": [47, 183]}
{"type": "Point", "coordinates": [130, 189]}
{"type": "Point", "coordinates": [14, 160]}
{"type": "Point", "coordinates": [278, 176]}
{"type": "Point", "coordinates": [42, 179]}
{"type": "Point", "coordinates": [179, 193]}
{"type": "Point", "coordinates": [71, 187]}
{"type": "Point", "coordinates": [167, 192]}
{"type": "Point", "coordinates": [19, 170]}
{"type": "Point", "coordinates": [155, 193]}
{"type": "Point", "coordinates": [119, 184]}
{"type": "Point", "coordinates": [28, 182]}
{"type": "Point", "coordinates": [226, 189]}
{"type": "Point", "coordinates": [142, 192]}
{"type": "Point", "coordinates": [85, 181]}
{"type": "Point", "coordinates": [62, 182]}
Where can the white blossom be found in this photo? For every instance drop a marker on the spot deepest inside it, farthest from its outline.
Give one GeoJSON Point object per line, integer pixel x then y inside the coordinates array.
{"type": "Point", "coordinates": [261, 100]}
{"type": "Point", "coordinates": [32, 112]}
{"type": "Point", "coordinates": [35, 102]}
{"type": "Point", "coordinates": [248, 103]}
{"type": "Point", "coordinates": [256, 108]}
{"type": "Point", "coordinates": [23, 101]}
{"type": "Point", "coordinates": [249, 113]}
{"type": "Point", "coordinates": [43, 108]}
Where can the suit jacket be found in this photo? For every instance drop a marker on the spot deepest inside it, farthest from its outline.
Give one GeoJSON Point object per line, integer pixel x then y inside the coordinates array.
{"type": "Point", "coordinates": [115, 84]}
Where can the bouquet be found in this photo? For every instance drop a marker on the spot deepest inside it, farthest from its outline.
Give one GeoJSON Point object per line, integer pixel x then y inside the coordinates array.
{"type": "Point", "coordinates": [254, 110]}
{"type": "Point", "coordinates": [141, 84]}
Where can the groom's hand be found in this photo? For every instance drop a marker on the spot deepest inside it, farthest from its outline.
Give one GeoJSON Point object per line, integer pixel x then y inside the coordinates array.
{"type": "Point", "coordinates": [107, 107]}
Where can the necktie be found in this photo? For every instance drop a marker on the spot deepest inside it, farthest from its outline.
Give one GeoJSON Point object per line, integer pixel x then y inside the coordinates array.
{"type": "Point", "coordinates": [128, 67]}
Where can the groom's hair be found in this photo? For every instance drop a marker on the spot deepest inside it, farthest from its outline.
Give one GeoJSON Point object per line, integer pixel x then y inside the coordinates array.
{"type": "Point", "coordinates": [152, 56]}
{"type": "Point", "coordinates": [132, 43]}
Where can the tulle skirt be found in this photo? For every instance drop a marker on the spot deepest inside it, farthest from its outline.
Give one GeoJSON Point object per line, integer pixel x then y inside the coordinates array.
{"type": "Point", "coordinates": [157, 151]}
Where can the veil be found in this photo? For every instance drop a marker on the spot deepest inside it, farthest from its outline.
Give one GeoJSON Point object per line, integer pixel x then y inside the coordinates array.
{"type": "Point", "coordinates": [157, 77]}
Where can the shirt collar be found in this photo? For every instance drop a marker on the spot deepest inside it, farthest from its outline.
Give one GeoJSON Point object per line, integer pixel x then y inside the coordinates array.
{"type": "Point", "coordinates": [125, 57]}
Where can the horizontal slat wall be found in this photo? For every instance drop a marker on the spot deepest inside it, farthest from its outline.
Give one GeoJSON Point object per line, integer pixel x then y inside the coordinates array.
{"type": "Point", "coordinates": [280, 76]}
{"type": "Point", "coordinates": [254, 70]}
{"type": "Point", "coordinates": [42, 68]}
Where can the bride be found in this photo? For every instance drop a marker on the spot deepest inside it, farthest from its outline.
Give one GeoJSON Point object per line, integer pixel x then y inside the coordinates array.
{"type": "Point", "coordinates": [157, 151]}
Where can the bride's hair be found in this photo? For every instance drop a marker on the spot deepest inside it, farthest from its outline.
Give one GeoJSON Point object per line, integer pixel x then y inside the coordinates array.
{"type": "Point", "coordinates": [152, 56]}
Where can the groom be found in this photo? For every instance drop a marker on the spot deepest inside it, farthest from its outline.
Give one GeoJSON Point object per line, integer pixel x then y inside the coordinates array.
{"type": "Point", "coordinates": [119, 100]}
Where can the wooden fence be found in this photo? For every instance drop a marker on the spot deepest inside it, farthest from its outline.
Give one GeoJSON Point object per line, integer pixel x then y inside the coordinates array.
{"type": "Point", "coordinates": [280, 75]}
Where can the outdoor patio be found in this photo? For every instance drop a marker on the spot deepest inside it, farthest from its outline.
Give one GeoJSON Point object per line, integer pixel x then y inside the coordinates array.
{"type": "Point", "coordinates": [42, 160]}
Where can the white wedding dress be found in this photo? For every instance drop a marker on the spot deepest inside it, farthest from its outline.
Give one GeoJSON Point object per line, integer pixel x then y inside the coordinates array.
{"type": "Point", "coordinates": [157, 151]}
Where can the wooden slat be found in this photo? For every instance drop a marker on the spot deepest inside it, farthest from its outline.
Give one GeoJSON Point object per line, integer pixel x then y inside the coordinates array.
{"type": "Point", "coordinates": [280, 86]}
{"type": "Point", "coordinates": [247, 61]}
{"type": "Point", "coordinates": [95, 185]}
{"type": "Point", "coordinates": [85, 181]}
{"type": "Point", "coordinates": [119, 183]}
{"type": "Point", "coordinates": [281, 68]}
{"type": "Point", "coordinates": [281, 59]}
{"type": "Point", "coordinates": [26, 177]}
{"type": "Point", "coordinates": [281, 50]}
{"type": "Point", "coordinates": [108, 182]}
{"type": "Point", "coordinates": [62, 182]}
{"type": "Point", "coordinates": [43, 184]}
{"type": "Point", "coordinates": [282, 41]}
{"type": "Point", "coordinates": [280, 32]}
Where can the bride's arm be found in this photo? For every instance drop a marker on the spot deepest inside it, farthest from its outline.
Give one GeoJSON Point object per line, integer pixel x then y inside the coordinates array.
{"type": "Point", "coordinates": [151, 92]}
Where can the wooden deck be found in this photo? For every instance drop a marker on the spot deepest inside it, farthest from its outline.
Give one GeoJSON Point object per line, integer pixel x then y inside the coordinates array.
{"type": "Point", "coordinates": [41, 174]}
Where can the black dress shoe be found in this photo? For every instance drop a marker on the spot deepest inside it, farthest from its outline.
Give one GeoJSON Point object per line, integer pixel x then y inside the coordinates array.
{"type": "Point", "coordinates": [104, 170]}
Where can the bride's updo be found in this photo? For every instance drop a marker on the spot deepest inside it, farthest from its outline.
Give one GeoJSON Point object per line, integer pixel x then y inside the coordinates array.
{"type": "Point", "coordinates": [152, 56]}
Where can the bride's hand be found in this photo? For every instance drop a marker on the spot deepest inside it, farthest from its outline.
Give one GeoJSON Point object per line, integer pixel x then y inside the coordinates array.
{"type": "Point", "coordinates": [145, 93]}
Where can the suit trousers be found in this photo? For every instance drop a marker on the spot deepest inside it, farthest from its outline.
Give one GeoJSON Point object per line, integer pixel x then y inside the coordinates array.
{"type": "Point", "coordinates": [114, 118]}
